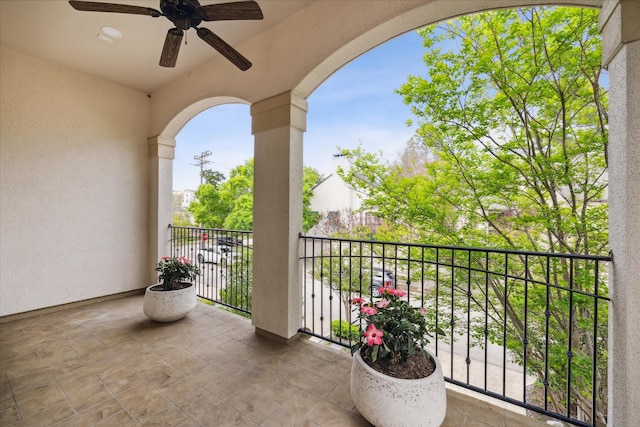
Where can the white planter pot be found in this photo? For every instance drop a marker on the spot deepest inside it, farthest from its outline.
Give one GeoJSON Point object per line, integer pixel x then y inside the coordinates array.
{"type": "Point", "coordinates": [386, 401]}
{"type": "Point", "coordinates": [167, 306]}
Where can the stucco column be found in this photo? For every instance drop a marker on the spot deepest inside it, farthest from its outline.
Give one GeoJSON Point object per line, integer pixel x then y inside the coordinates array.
{"type": "Point", "coordinates": [620, 28]}
{"type": "Point", "coordinates": [161, 155]}
{"type": "Point", "coordinates": [278, 124]}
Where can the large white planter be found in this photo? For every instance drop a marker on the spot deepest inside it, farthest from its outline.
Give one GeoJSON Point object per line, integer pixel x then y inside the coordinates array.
{"type": "Point", "coordinates": [167, 306]}
{"type": "Point", "coordinates": [387, 402]}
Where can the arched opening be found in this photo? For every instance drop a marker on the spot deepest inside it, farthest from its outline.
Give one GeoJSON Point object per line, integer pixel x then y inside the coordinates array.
{"type": "Point", "coordinates": [340, 273]}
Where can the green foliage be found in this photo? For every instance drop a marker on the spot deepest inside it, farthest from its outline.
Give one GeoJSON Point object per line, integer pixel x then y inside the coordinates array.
{"type": "Point", "coordinates": [216, 201]}
{"type": "Point", "coordinates": [229, 204]}
{"type": "Point", "coordinates": [344, 329]}
{"type": "Point", "coordinates": [241, 216]}
{"type": "Point", "coordinates": [239, 281]}
{"type": "Point", "coordinates": [212, 177]}
{"type": "Point", "coordinates": [209, 209]}
{"type": "Point", "coordinates": [345, 269]}
{"type": "Point", "coordinates": [174, 270]}
{"type": "Point", "coordinates": [514, 124]}
{"type": "Point", "coordinates": [181, 220]}
{"type": "Point", "coordinates": [310, 178]}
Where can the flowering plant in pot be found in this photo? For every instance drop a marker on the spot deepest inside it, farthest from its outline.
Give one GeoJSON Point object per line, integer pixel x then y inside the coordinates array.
{"type": "Point", "coordinates": [175, 295]}
{"type": "Point", "coordinates": [395, 381]}
{"type": "Point", "coordinates": [174, 272]}
{"type": "Point", "coordinates": [396, 335]}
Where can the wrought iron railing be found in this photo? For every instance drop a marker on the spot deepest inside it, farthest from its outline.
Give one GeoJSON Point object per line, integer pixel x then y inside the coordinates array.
{"type": "Point", "coordinates": [523, 327]}
{"type": "Point", "coordinates": [225, 259]}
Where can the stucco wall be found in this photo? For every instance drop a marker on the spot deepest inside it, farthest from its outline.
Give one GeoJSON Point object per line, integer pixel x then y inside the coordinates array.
{"type": "Point", "coordinates": [333, 194]}
{"type": "Point", "coordinates": [73, 185]}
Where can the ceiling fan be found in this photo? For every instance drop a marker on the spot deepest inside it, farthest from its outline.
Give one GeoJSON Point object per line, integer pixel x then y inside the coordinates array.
{"type": "Point", "coordinates": [186, 14]}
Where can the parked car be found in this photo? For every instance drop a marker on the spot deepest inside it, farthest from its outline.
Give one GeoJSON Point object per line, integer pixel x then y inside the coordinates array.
{"type": "Point", "coordinates": [228, 241]}
{"type": "Point", "coordinates": [381, 279]}
{"type": "Point", "coordinates": [221, 255]}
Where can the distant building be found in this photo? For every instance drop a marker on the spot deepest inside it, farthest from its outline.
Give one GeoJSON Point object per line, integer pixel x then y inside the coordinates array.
{"type": "Point", "coordinates": [180, 205]}
{"type": "Point", "coordinates": [339, 205]}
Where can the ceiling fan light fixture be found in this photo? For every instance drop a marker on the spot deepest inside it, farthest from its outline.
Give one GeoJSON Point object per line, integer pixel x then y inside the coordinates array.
{"type": "Point", "coordinates": [111, 32]}
{"type": "Point", "coordinates": [104, 38]}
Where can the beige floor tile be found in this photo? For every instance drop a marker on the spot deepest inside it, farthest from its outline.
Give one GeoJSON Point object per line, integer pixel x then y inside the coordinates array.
{"type": "Point", "coordinates": [252, 403]}
{"type": "Point", "coordinates": [302, 404]}
{"type": "Point", "coordinates": [209, 410]}
{"type": "Point", "coordinates": [230, 380]}
{"type": "Point", "coordinates": [160, 374]}
{"type": "Point", "coordinates": [36, 398]}
{"type": "Point", "coordinates": [85, 392]}
{"type": "Point", "coordinates": [273, 386]}
{"type": "Point", "coordinates": [8, 411]}
{"type": "Point", "coordinates": [93, 414]}
{"type": "Point", "coordinates": [341, 395]}
{"type": "Point", "coordinates": [120, 377]}
{"type": "Point", "coordinates": [188, 387]}
{"type": "Point", "coordinates": [143, 401]}
{"type": "Point", "coordinates": [328, 415]}
{"type": "Point", "coordinates": [310, 382]}
{"type": "Point", "coordinates": [119, 419]}
{"type": "Point", "coordinates": [171, 416]}
{"type": "Point", "coordinates": [48, 415]}
{"type": "Point", "coordinates": [285, 418]}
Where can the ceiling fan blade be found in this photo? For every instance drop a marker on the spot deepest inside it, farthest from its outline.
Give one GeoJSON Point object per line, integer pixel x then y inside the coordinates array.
{"type": "Point", "coordinates": [91, 6]}
{"type": "Point", "coordinates": [171, 48]}
{"type": "Point", "coordinates": [230, 11]}
{"type": "Point", "coordinates": [224, 48]}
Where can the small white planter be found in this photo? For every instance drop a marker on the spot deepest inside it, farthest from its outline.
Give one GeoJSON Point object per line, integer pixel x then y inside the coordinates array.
{"type": "Point", "coordinates": [393, 402]}
{"type": "Point", "coordinates": [167, 306]}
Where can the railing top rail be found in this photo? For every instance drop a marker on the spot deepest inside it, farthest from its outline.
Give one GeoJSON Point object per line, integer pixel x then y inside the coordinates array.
{"type": "Point", "coordinates": [223, 230]}
{"type": "Point", "coordinates": [466, 248]}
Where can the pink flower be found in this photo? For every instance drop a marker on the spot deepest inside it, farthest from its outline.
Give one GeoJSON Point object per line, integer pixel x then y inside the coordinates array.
{"type": "Point", "coordinates": [396, 292]}
{"type": "Point", "coordinates": [166, 258]}
{"type": "Point", "coordinates": [423, 311]}
{"type": "Point", "coordinates": [368, 310]}
{"type": "Point", "coordinates": [357, 300]}
{"type": "Point", "coordinates": [182, 260]}
{"type": "Point", "coordinates": [374, 335]}
{"type": "Point", "coordinates": [382, 303]}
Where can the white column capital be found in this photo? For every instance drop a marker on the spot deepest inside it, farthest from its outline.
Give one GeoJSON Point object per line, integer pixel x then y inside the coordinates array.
{"type": "Point", "coordinates": [161, 146]}
{"type": "Point", "coordinates": [619, 25]}
{"type": "Point", "coordinates": [287, 109]}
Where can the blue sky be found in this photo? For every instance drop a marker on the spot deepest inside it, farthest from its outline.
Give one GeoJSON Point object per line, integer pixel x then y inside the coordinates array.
{"type": "Point", "coordinates": [356, 105]}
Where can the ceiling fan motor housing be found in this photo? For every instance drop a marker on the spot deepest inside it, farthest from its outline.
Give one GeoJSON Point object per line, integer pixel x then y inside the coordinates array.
{"type": "Point", "coordinates": [181, 12]}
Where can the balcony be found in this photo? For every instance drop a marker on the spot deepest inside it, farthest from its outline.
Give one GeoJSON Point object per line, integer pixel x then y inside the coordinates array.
{"type": "Point", "coordinates": [106, 364]}
{"type": "Point", "coordinates": [544, 364]}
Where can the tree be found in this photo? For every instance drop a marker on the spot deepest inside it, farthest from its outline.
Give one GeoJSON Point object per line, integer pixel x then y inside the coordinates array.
{"type": "Point", "coordinates": [181, 219]}
{"type": "Point", "coordinates": [216, 201]}
{"type": "Point", "coordinates": [239, 282]}
{"type": "Point", "coordinates": [229, 204]}
{"type": "Point", "coordinates": [212, 177]}
{"type": "Point", "coordinates": [310, 178]}
{"type": "Point", "coordinates": [515, 116]}
{"type": "Point", "coordinates": [209, 209]}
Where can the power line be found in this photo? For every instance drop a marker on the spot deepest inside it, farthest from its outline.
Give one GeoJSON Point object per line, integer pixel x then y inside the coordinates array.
{"type": "Point", "coordinates": [201, 160]}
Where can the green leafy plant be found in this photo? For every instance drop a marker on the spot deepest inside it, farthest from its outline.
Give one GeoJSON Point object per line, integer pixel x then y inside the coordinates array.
{"type": "Point", "coordinates": [395, 330]}
{"type": "Point", "coordinates": [175, 270]}
{"type": "Point", "coordinates": [346, 330]}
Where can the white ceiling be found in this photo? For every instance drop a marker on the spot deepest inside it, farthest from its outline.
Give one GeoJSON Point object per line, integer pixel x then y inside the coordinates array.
{"type": "Point", "coordinates": [52, 30]}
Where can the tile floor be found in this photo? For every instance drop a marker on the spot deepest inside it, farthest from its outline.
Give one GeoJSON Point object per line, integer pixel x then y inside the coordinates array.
{"type": "Point", "coordinates": [106, 364]}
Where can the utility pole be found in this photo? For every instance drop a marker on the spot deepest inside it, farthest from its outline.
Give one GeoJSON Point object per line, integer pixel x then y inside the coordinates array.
{"type": "Point", "coordinates": [201, 160]}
